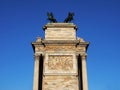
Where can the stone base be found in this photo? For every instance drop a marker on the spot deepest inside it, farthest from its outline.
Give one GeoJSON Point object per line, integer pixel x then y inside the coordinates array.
{"type": "Point", "coordinates": [60, 31]}
{"type": "Point", "coordinates": [60, 83]}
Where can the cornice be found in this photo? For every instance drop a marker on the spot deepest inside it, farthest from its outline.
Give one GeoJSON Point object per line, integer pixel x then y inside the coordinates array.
{"type": "Point", "coordinates": [43, 43]}
{"type": "Point", "coordinates": [60, 25]}
{"type": "Point", "coordinates": [60, 41]}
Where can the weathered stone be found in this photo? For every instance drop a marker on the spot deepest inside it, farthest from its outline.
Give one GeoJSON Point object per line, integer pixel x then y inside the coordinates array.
{"type": "Point", "coordinates": [60, 48]}
{"type": "Point", "coordinates": [61, 52]}
{"type": "Point", "coordinates": [60, 63]}
{"type": "Point", "coordinates": [60, 31]}
{"type": "Point", "coordinates": [60, 83]}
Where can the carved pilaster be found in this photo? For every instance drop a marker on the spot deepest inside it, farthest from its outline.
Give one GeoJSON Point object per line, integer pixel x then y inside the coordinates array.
{"type": "Point", "coordinates": [36, 72]}
{"type": "Point", "coordinates": [84, 72]}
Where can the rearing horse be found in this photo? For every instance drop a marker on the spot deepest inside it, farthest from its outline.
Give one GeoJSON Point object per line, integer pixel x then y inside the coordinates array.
{"type": "Point", "coordinates": [69, 18]}
{"type": "Point", "coordinates": [51, 17]}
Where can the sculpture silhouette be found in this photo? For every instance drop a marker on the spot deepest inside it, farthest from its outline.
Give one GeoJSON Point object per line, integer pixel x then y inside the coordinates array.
{"type": "Point", "coordinates": [51, 17]}
{"type": "Point", "coordinates": [69, 18]}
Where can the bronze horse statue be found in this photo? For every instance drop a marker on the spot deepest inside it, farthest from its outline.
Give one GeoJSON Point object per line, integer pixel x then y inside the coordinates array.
{"type": "Point", "coordinates": [51, 17]}
{"type": "Point", "coordinates": [69, 18]}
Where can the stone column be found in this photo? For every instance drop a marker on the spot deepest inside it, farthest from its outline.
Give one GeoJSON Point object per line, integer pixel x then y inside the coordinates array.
{"type": "Point", "coordinates": [84, 72]}
{"type": "Point", "coordinates": [36, 72]}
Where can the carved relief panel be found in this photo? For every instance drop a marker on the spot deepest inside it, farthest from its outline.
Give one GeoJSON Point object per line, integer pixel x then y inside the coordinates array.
{"type": "Point", "coordinates": [60, 62]}
{"type": "Point", "coordinates": [63, 64]}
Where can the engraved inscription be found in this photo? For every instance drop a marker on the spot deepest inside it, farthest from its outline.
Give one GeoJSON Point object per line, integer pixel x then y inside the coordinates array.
{"type": "Point", "coordinates": [60, 62]}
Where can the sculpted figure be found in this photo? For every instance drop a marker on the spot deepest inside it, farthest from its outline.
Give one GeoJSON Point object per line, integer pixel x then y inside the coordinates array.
{"type": "Point", "coordinates": [69, 18]}
{"type": "Point", "coordinates": [51, 17]}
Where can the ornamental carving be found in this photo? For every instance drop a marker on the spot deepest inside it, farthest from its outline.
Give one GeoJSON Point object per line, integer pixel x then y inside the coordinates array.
{"type": "Point", "coordinates": [37, 49]}
{"type": "Point", "coordinates": [60, 48]}
{"type": "Point", "coordinates": [60, 62]}
{"type": "Point", "coordinates": [80, 49]}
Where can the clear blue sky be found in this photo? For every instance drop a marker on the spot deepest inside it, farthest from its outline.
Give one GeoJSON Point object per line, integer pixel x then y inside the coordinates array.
{"type": "Point", "coordinates": [21, 22]}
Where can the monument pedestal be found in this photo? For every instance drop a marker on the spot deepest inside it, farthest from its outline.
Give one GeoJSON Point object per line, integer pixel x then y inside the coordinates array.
{"type": "Point", "coordinates": [63, 66]}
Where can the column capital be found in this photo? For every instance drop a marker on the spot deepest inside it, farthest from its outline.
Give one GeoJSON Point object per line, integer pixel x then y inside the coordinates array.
{"type": "Point", "coordinates": [36, 57]}
{"type": "Point", "coordinates": [83, 56]}
{"type": "Point", "coordinates": [38, 54]}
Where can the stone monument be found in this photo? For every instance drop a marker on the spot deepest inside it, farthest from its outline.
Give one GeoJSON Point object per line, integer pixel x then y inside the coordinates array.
{"type": "Point", "coordinates": [60, 59]}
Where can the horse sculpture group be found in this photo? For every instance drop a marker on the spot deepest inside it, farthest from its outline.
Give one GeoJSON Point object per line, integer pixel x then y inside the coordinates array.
{"type": "Point", "coordinates": [53, 20]}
